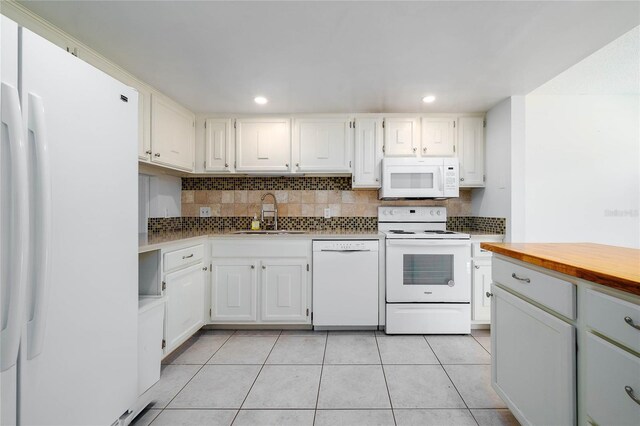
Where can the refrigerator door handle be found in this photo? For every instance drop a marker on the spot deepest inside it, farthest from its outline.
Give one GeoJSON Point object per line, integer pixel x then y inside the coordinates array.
{"type": "Point", "coordinates": [42, 226]}
{"type": "Point", "coordinates": [18, 228]}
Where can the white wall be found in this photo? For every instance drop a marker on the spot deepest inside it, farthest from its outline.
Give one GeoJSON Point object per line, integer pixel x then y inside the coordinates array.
{"type": "Point", "coordinates": [165, 194]}
{"type": "Point", "coordinates": [583, 169]}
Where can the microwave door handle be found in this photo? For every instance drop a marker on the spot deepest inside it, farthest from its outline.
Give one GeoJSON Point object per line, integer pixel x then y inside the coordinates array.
{"type": "Point", "coordinates": [441, 180]}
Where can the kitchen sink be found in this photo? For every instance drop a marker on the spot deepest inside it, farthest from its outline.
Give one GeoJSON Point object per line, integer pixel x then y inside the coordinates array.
{"type": "Point", "coordinates": [269, 232]}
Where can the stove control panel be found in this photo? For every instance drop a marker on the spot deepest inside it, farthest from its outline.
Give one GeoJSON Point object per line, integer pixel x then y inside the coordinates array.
{"type": "Point", "coordinates": [412, 214]}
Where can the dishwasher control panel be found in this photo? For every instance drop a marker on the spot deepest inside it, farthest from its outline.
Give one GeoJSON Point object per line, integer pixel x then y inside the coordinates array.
{"type": "Point", "coordinates": [346, 245]}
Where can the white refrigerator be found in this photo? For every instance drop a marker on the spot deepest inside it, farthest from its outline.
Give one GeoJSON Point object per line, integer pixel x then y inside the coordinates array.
{"type": "Point", "coordinates": [68, 231]}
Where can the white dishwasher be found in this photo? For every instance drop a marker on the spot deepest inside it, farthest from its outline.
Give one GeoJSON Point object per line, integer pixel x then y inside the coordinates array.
{"type": "Point", "coordinates": [345, 283]}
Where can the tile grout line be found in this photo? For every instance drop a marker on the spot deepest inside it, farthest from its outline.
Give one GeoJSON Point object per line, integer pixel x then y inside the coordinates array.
{"type": "Point", "coordinates": [449, 377]}
{"type": "Point", "coordinates": [188, 381]}
{"type": "Point", "coordinates": [384, 375]}
{"type": "Point", "coordinates": [474, 338]}
{"type": "Point", "coordinates": [324, 355]}
{"type": "Point", "coordinates": [257, 375]}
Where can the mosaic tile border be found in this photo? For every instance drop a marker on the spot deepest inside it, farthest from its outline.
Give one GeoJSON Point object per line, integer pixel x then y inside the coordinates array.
{"type": "Point", "coordinates": [496, 225]}
{"type": "Point", "coordinates": [239, 183]}
{"type": "Point", "coordinates": [242, 222]}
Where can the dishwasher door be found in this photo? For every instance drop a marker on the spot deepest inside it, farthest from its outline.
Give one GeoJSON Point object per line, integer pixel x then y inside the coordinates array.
{"type": "Point", "coordinates": [345, 283]}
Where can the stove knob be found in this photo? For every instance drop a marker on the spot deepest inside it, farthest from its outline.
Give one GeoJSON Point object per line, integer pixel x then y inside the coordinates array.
{"type": "Point", "coordinates": [431, 212]}
{"type": "Point", "coordinates": [438, 212]}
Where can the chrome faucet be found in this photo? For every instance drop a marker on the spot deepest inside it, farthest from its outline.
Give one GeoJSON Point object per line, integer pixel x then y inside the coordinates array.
{"type": "Point", "coordinates": [274, 211]}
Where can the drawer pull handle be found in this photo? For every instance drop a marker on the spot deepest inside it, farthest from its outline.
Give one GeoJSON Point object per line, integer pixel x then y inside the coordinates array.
{"type": "Point", "coordinates": [187, 257]}
{"type": "Point", "coordinates": [629, 391]}
{"type": "Point", "coordinates": [629, 321]}
{"type": "Point", "coordinates": [526, 280]}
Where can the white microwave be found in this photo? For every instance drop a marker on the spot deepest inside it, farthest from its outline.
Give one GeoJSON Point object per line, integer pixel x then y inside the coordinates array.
{"type": "Point", "coordinates": [435, 177]}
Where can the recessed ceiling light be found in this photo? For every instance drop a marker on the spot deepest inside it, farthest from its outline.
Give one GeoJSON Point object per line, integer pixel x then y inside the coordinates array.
{"type": "Point", "coordinates": [260, 100]}
{"type": "Point", "coordinates": [428, 99]}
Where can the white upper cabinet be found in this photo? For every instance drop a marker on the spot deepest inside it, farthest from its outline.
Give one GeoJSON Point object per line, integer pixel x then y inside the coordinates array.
{"type": "Point", "coordinates": [401, 136]}
{"type": "Point", "coordinates": [471, 151]}
{"type": "Point", "coordinates": [322, 144]}
{"type": "Point", "coordinates": [172, 134]}
{"type": "Point", "coordinates": [144, 125]}
{"type": "Point", "coordinates": [218, 145]}
{"type": "Point", "coordinates": [263, 144]}
{"type": "Point", "coordinates": [367, 153]}
{"type": "Point", "coordinates": [438, 137]}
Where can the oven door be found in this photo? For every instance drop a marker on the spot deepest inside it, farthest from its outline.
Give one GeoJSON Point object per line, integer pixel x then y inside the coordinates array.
{"type": "Point", "coordinates": [428, 271]}
{"type": "Point", "coordinates": [417, 180]}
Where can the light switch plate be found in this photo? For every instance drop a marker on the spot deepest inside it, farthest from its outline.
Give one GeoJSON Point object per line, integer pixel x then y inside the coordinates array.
{"type": "Point", "coordinates": [205, 211]}
{"type": "Point", "coordinates": [327, 213]}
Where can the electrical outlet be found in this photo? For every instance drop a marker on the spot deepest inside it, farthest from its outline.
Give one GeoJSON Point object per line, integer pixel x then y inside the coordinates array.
{"type": "Point", "coordinates": [205, 211]}
{"type": "Point", "coordinates": [327, 213]}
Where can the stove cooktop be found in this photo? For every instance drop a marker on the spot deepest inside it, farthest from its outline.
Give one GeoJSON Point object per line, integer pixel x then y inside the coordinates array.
{"type": "Point", "coordinates": [426, 234]}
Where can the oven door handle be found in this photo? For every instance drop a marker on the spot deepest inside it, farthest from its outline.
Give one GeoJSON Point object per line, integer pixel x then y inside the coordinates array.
{"type": "Point", "coordinates": [427, 243]}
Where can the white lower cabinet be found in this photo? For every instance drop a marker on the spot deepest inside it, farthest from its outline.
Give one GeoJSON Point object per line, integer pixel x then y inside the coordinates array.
{"type": "Point", "coordinates": [533, 361]}
{"type": "Point", "coordinates": [612, 384]}
{"type": "Point", "coordinates": [284, 290]}
{"type": "Point", "coordinates": [481, 309]}
{"type": "Point", "coordinates": [185, 304]}
{"type": "Point", "coordinates": [233, 290]}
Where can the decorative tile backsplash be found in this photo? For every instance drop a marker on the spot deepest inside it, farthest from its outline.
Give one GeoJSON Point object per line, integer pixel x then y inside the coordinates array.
{"type": "Point", "coordinates": [476, 223]}
{"type": "Point", "coordinates": [296, 197]}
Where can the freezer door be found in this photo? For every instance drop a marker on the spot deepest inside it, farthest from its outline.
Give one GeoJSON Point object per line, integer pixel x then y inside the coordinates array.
{"type": "Point", "coordinates": [78, 358]}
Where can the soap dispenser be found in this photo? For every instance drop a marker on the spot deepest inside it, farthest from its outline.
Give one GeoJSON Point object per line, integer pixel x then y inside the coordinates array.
{"type": "Point", "coordinates": [255, 223]}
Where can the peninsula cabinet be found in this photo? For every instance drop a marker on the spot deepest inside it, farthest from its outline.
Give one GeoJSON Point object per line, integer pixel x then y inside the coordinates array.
{"type": "Point", "coordinates": [322, 145]}
{"type": "Point", "coordinates": [218, 145]}
{"type": "Point", "coordinates": [401, 136]}
{"type": "Point", "coordinates": [172, 134]}
{"type": "Point", "coordinates": [471, 151]}
{"type": "Point", "coordinates": [368, 153]}
{"type": "Point", "coordinates": [263, 144]}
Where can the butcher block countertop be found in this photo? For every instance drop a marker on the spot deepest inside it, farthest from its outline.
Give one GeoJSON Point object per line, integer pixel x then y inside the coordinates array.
{"type": "Point", "coordinates": [615, 267]}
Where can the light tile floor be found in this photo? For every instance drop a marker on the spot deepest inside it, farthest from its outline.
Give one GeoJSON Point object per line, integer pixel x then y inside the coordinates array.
{"type": "Point", "coordinates": [298, 378]}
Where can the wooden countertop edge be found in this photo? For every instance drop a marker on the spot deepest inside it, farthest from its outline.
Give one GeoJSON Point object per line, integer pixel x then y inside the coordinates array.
{"type": "Point", "coordinates": [602, 278]}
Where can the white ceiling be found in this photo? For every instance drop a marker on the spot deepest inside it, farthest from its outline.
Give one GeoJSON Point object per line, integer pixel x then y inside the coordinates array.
{"type": "Point", "coordinates": [612, 70]}
{"type": "Point", "coordinates": [343, 56]}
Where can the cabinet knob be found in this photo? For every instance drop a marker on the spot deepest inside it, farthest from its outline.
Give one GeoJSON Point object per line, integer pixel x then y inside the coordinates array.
{"type": "Point", "coordinates": [488, 294]}
{"type": "Point", "coordinates": [424, 149]}
{"type": "Point", "coordinates": [253, 266]}
{"type": "Point", "coordinates": [377, 180]}
{"type": "Point", "coordinates": [629, 391]}
{"type": "Point", "coordinates": [205, 268]}
{"type": "Point", "coordinates": [157, 154]}
{"type": "Point", "coordinates": [298, 165]}
{"type": "Point", "coordinates": [415, 149]}
{"type": "Point", "coordinates": [287, 165]}
{"type": "Point", "coordinates": [148, 152]}
{"type": "Point", "coordinates": [476, 266]}
{"type": "Point", "coordinates": [226, 164]}
{"type": "Point", "coordinates": [461, 179]}
{"type": "Point", "coordinates": [264, 267]}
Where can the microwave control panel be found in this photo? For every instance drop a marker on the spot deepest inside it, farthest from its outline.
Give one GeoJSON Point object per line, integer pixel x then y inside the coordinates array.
{"type": "Point", "coordinates": [450, 177]}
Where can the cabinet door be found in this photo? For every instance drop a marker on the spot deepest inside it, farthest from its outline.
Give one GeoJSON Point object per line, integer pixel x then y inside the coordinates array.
{"type": "Point", "coordinates": [144, 125]}
{"type": "Point", "coordinates": [263, 145]}
{"type": "Point", "coordinates": [185, 308]}
{"type": "Point", "coordinates": [217, 145]}
{"type": "Point", "coordinates": [367, 153]}
{"type": "Point", "coordinates": [533, 361]}
{"type": "Point", "coordinates": [322, 144]}
{"type": "Point", "coordinates": [401, 137]}
{"type": "Point", "coordinates": [172, 134]}
{"type": "Point", "coordinates": [612, 383]}
{"type": "Point", "coordinates": [233, 290]}
{"type": "Point", "coordinates": [284, 290]}
{"type": "Point", "coordinates": [481, 286]}
{"type": "Point", "coordinates": [438, 137]}
{"type": "Point", "coordinates": [471, 151]}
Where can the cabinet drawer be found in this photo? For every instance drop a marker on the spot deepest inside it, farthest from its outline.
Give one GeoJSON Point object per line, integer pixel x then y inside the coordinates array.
{"type": "Point", "coordinates": [612, 381]}
{"type": "Point", "coordinates": [614, 318]}
{"type": "Point", "coordinates": [476, 251]}
{"type": "Point", "coordinates": [549, 291]}
{"type": "Point", "coordinates": [183, 257]}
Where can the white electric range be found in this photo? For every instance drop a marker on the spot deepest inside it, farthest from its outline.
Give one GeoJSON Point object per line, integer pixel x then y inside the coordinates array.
{"type": "Point", "coordinates": [428, 272]}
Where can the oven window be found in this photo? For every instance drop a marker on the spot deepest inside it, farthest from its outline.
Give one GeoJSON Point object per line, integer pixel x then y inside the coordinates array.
{"type": "Point", "coordinates": [411, 180]}
{"type": "Point", "coordinates": [427, 269]}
